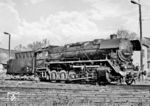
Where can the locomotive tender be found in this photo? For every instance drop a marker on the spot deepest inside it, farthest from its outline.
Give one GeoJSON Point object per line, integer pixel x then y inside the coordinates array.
{"type": "Point", "coordinates": [98, 61]}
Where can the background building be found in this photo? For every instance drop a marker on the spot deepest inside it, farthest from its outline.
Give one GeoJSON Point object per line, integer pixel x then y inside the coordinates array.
{"type": "Point", "coordinates": [147, 41]}
{"type": "Point", "coordinates": [146, 56]}
{"type": "Point", "coordinates": [136, 57]}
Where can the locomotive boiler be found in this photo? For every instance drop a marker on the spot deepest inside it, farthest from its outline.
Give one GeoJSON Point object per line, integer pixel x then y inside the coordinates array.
{"type": "Point", "coordinates": [98, 61]}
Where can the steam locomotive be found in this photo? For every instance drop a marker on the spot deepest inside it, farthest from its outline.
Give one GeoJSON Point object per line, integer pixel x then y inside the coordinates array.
{"type": "Point", "coordinates": [98, 61]}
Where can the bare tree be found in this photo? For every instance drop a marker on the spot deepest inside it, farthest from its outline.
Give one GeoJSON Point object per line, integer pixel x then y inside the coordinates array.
{"type": "Point", "coordinates": [33, 46]}
{"type": "Point", "coordinates": [38, 44]}
{"type": "Point", "coordinates": [122, 33]}
{"type": "Point", "coordinates": [20, 47]}
{"type": "Point", "coordinates": [45, 42]}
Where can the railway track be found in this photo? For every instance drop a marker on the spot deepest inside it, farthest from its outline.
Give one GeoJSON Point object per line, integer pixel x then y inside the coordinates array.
{"type": "Point", "coordinates": [60, 86]}
{"type": "Point", "coordinates": [57, 94]}
{"type": "Point", "coordinates": [132, 86]}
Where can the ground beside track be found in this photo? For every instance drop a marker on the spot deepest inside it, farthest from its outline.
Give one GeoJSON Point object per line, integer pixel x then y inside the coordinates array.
{"type": "Point", "coordinates": [27, 93]}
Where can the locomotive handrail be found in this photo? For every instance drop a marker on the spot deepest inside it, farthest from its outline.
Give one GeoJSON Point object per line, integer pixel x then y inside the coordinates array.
{"type": "Point", "coordinates": [89, 66]}
{"type": "Point", "coordinates": [86, 61]}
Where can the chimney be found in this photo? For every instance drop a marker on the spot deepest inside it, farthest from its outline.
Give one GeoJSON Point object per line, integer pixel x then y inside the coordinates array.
{"type": "Point", "coordinates": [113, 36]}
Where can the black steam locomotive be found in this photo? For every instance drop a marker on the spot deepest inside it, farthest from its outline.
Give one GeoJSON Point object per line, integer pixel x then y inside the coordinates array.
{"type": "Point", "coordinates": [98, 61]}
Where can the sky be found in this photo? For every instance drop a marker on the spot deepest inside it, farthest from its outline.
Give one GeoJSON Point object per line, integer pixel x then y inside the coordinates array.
{"type": "Point", "coordinates": [68, 21]}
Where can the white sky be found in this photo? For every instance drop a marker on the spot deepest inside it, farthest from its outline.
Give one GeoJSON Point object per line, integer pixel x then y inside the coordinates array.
{"type": "Point", "coordinates": [66, 21]}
